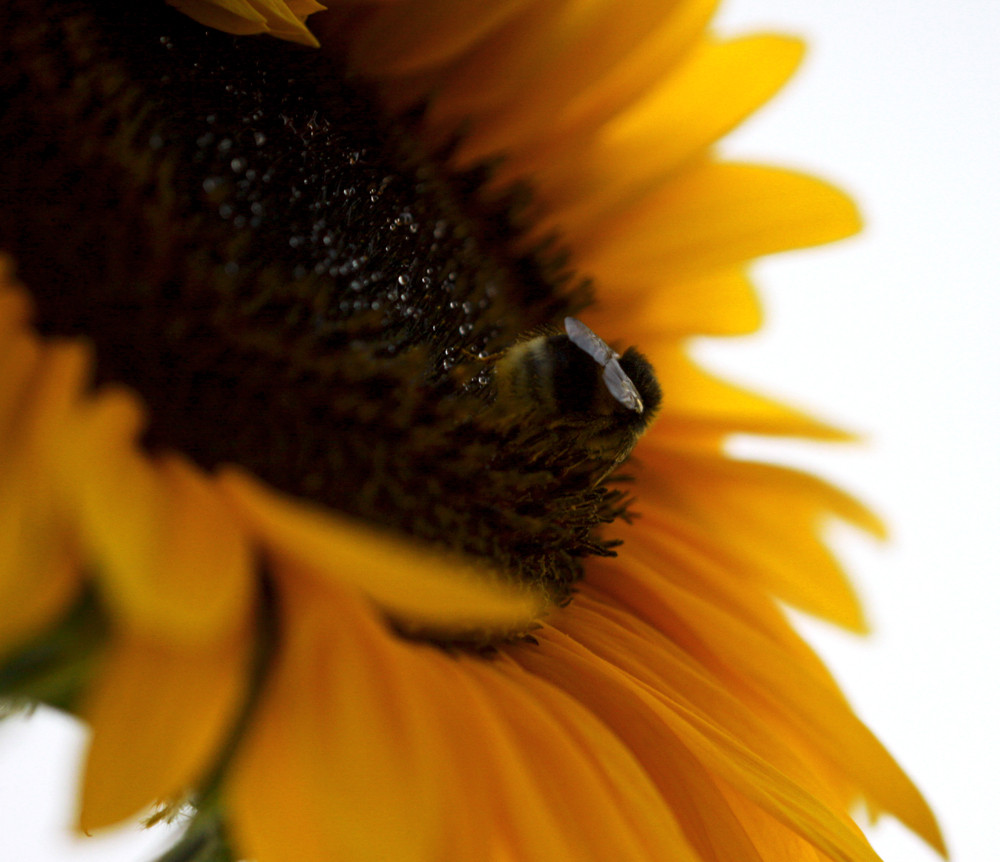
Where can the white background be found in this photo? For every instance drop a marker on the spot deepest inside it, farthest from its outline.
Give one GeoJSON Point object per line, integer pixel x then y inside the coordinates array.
{"type": "Point", "coordinates": [893, 334]}
{"type": "Point", "coordinates": [896, 334]}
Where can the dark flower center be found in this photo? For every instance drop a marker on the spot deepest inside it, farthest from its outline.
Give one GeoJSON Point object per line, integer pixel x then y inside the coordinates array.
{"type": "Point", "coordinates": [287, 278]}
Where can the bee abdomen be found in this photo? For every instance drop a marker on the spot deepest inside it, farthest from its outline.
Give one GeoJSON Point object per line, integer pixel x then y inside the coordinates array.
{"type": "Point", "coordinates": [546, 374]}
{"type": "Point", "coordinates": [575, 385]}
{"type": "Point", "coordinates": [574, 377]}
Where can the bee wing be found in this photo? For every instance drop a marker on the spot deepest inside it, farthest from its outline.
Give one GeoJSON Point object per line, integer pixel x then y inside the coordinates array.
{"type": "Point", "coordinates": [619, 384]}
{"type": "Point", "coordinates": [589, 341]}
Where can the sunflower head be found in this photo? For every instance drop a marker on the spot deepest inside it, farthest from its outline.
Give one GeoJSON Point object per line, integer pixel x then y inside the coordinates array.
{"type": "Point", "coordinates": [319, 408]}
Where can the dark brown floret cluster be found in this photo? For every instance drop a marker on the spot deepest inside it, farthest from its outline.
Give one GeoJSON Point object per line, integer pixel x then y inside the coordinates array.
{"type": "Point", "coordinates": [286, 277]}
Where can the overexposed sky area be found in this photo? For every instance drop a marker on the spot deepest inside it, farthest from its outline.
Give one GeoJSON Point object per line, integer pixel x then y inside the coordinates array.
{"type": "Point", "coordinates": [893, 334]}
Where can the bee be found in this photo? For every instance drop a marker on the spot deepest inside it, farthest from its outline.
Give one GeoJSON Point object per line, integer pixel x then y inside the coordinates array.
{"type": "Point", "coordinates": [577, 380]}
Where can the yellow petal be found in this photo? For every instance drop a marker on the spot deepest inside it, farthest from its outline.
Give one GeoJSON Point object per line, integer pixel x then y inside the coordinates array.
{"type": "Point", "coordinates": [20, 358]}
{"type": "Point", "coordinates": [664, 49]}
{"type": "Point", "coordinates": [484, 78]}
{"type": "Point", "coordinates": [416, 585]}
{"type": "Point", "coordinates": [413, 34]}
{"type": "Point", "coordinates": [231, 16]}
{"type": "Point", "coordinates": [168, 555]}
{"type": "Point", "coordinates": [15, 303]}
{"type": "Point", "coordinates": [40, 577]}
{"type": "Point", "coordinates": [39, 570]}
{"type": "Point", "coordinates": [276, 811]}
{"type": "Point", "coordinates": [671, 123]}
{"type": "Point", "coordinates": [245, 17]}
{"type": "Point", "coordinates": [595, 38]}
{"type": "Point", "coordinates": [636, 792]}
{"type": "Point", "coordinates": [340, 761]}
{"type": "Point", "coordinates": [160, 716]}
{"type": "Point", "coordinates": [113, 491]}
{"type": "Point", "coordinates": [600, 786]}
{"type": "Point", "coordinates": [767, 518]}
{"type": "Point", "coordinates": [200, 583]}
{"type": "Point", "coordinates": [697, 403]}
{"type": "Point", "coordinates": [710, 217]}
{"type": "Point", "coordinates": [652, 658]}
{"type": "Point", "coordinates": [723, 303]}
{"type": "Point", "coordinates": [333, 768]}
{"type": "Point", "coordinates": [777, 674]}
{"type": "Point", "coordinates": [675, 551]}
{"type": "Point", "coordinates": [687, 787]}
{"type": "Point", "coordinates": [716, 88]}
{"type": "Point", "coordinates": [20, 352]}
{"type": "Point", "coordinates": [783, 845]}
{"type": "Point", "coordinates": [566, 792]}
{"type": "Point", "coordinates": [303, 8]}
{"type": "Point", "coordinates": [496, 76]}
{"type": "Point", "coordinates": [633, 709]}
{"type": "Point", "coordinates": [286, 19]}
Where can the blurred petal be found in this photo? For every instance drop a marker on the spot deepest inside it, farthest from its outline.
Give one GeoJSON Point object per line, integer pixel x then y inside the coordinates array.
{"type": "Point", "coordinates": [665, 129]}
{"type": "Point", "coordinates": [409, 35]}
{"type": "Point", "coordinates": [202, 580]}
{"type": "Point", "coordinates": [768, 518]}
{"type": "Point", "coordinates": [416, 585]}
{"type": "Point", "coordinates": [594, 40]}
{"type": "Point", "coordinates": [160, 715]}
{"type": "Point", "coordinates": [281, 18]}
{"type": "Point", "coordinates": [39, 573]}
{"type": "Point", "coordinates": [612, 804]}
{"type": "Point", "coordinates": [171, 558]}
{"type": "Point", "coordinates": [339, 760]}
{"type": "Point", "coordinates": [772, 670]}
{"type": "Point", "coordinates": [711, 217]}
{"type": "Point", "coordinates": [634, 791]}
{"type": "Point", "coordinates": [697, 404]}
{"type": "Point", "coordinates": [658, 54]}
{"type": "Point", "coordinates": [630, 707]}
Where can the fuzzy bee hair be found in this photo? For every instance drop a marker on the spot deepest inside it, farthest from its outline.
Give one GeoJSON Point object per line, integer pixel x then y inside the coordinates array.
{"type": "Point", "coordinates": [578, 378]}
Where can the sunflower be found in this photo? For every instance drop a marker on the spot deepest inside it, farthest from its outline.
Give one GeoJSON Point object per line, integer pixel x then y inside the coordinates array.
{"type": "Point", "coordinates": [309, 506]}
